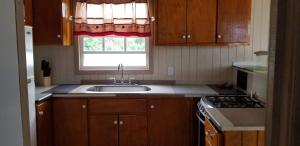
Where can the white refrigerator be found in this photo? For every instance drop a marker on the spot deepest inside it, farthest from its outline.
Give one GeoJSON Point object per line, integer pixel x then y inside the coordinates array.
{"type": "Point", "coordinates": [30, 84]}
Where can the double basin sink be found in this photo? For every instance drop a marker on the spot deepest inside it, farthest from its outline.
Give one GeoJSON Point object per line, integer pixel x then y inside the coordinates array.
{"type": "Point", "coordinates": [118, 88]}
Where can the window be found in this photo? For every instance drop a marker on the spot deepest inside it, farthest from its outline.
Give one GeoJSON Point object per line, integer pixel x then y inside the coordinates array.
{"type": "Point", "coordinates": [106, 53]}
{"type": "Point", "coordinates": [111, 33]}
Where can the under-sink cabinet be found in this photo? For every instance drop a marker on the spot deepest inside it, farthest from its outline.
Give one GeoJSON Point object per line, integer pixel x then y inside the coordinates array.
{"type": "Point", "coordinates": [117, 122]}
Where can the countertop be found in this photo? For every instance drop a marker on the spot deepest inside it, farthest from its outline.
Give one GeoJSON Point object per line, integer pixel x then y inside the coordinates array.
{"type": "Point", "coordinates": [40, 93]}
{"type": "Point", "coordinates": [80, 91]}
{"type": "Point", "coordinates": [237, 119]}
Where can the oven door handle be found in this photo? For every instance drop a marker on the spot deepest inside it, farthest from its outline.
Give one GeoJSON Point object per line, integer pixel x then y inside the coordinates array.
{"type": "Point", "coordinates": [199, 118]}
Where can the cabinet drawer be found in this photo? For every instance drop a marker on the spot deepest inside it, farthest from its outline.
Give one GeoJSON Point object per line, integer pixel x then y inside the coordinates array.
{"type": "Point", "coordinates": [98, 106]}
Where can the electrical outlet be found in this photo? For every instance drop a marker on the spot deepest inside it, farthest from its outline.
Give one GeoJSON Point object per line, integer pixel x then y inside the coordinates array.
{"type": "Point", "coordinates": [170, 71]}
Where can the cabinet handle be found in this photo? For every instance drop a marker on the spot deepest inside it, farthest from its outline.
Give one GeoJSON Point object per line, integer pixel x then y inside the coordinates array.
{"type": "Point", "coordinates": [41, 113]}
{"type": "Point", "coordinates": [189, 36]}
{"type": "Point", "coordinates": [183, 37]}
{"type": "Point", "coordinates": [84, 106]}
{"type": "Point", "coordinates": [219, 36]}
{"type": "Point", "coordinates": [206, 133]}
{"type": "Point", "coordinates": [58, 36]}
{"type": "Point", "coordinates": [121, 122]}
{"type": "Point", "coordinates": [152, 106]}
{"type": "Point", "coordinates": [115, 122]}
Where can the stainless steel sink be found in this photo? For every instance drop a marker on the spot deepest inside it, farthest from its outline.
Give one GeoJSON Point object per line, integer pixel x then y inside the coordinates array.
{"type": "Point", "coordinates": [119, 88]}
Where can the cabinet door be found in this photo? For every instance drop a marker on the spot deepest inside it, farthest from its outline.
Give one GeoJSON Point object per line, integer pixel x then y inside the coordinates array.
{"type": "Point", "coordinates": [133, 130]}
{"type": "Point", "coordinates": [47, 22]}
{"type": "Point", "coordinates": [28, 12]}
{"type": "Point", "coordinates": [103, 130]}
{"type": "Point", "coordinates": [171, 22]}
{"type": "Point", "coordinates": [201, 21]}
{"type": "Point", "coordinates": [70, 122]}
{"type": "Point", "coordinates": [44, 123]}
{"type": "Point", "coordinates": [212, 136]}
{"type": "Point", "coordinates": [234, 18]}
{"type": "Point", "coordinates": [170, 122]}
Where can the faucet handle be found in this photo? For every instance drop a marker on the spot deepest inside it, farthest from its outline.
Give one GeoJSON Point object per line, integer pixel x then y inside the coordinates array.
{"type": "Point", "coordinates": [130, 79]}
{"type": "Point", "coordinates": [113, 78]}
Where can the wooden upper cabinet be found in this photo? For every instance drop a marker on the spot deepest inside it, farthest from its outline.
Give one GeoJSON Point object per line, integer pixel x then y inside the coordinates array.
{"type": "Point", "coordinates": [44, 123]}
{"type": "Point", "coordinates": [171, 22]}
{"type": "Point", "coordinates": [70, 122]}
{"type": "Point", "coordinates": [234, 20]}
{"type": "Point", "coordinates": [28, 12]}
{"type": "Point", "coordinates": [170, 122]}
{"type": "Point", "coordinates": [51, 24]}
{"type": "Point", "coordinates": [201, 21]}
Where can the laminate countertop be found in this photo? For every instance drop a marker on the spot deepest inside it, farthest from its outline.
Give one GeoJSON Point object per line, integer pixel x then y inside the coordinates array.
{"type": "Point", "coordinates": [159, 90]}
{"type": "Point", "coordinates": [237, 119]}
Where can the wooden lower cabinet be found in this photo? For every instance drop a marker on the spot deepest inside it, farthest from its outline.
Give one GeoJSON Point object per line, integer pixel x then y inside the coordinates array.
{"type": "Point", "coordinates": [70, 122]}
{"type": "Point", "coordinates": [133, 130]}
{"type": "Point", "coordinates": [170, 122]}
{"type": "Point", "coordinates": [213, 137]}
{"type": "Point", "coordinates": [44, 123]}
{"type": "Point", "coordinates": [103, 130]}
{"type": "Point", "coordinates": [117, 122]}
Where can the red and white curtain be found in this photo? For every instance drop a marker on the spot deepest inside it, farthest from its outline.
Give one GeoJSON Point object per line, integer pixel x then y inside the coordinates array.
{"type": "Point", "coordinates": [112, 17]}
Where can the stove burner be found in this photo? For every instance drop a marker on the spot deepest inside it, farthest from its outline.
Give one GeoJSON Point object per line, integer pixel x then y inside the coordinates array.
{"type": "Point", "coordinates": [233, 102]}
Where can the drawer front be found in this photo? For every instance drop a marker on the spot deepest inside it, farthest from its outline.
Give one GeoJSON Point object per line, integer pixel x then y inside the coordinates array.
{"type": "Point", "coordinates": [100, 106]}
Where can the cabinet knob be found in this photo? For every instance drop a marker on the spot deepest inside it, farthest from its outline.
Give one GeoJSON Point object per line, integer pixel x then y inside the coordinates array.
{"type": "Point", "coordinates": [206, 133]}
{"type": "Point", "coordinates": [70, 18]}
{"type": "Point", "coordinates": [152, 106]}
{"type": "Point", "coordinates": [189, 36]}
{"type": "Point", "coordinates": [84, 106]}
{"type": "Point", "coordinates": [121, 122]}
{"type": "Point", "coordinates": [183, 37]}
{"type": "Point", "coordinates": [219, 36]}
{"type": "Point", "coordinates": [58, 36]}
{"type": "Point", "coordinates": [41, 113]}
{"type": "Point", "coordinates": [115, 122]}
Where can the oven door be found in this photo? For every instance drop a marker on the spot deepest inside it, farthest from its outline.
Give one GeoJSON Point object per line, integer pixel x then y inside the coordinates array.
{"type": "Point", "coordinates": [201, 132]}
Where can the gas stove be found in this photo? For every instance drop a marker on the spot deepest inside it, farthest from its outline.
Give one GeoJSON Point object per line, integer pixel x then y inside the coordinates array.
{"type": "Point", "coordinates": [228, 101]}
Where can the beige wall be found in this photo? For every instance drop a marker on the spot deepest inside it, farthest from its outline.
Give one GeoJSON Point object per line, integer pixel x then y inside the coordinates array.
{"type": "Point", "coordinates": [192, 64]}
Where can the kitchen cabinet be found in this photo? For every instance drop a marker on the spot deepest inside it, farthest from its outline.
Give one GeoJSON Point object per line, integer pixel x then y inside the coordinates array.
{"type": "Point", "coordinates": [234, 20]}
{"type": "Point", "coordinates": [70, 122]}
{"type": "Point", "coordinates": [213, 137]}
{"type": "Point", "coordinates": [52, 24]}
{"type": "Point", "coordinates": [170, 122]}
{"type": "Point", "coordinates": [201, 22]}
{"type": "Point", "coordinates": [182, 21]}
{"type": "Point", "coordinates": [171, 22]}
{"type": "Point", "coordinates": [117, 122]}
{"type": "Point", "coordinates": [28, 12]}
{"type": "Point", "coordinates": [44, 123]}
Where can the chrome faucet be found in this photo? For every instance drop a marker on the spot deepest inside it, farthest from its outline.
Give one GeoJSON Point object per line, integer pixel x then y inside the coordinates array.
{"type": "Point", "coordinates": [121, 67]}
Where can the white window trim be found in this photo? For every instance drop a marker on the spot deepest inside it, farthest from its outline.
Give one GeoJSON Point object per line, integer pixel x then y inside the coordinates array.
{"type": "Point", "coordinates": [113, 68]}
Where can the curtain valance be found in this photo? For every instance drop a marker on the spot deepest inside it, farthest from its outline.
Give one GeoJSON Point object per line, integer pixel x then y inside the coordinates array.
{"type": "Point", "coordinates": [112, 17]}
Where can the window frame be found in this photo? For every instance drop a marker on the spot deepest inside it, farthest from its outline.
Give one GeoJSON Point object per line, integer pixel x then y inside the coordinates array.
{"type": "Point", "coordinates": [80, 69]}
